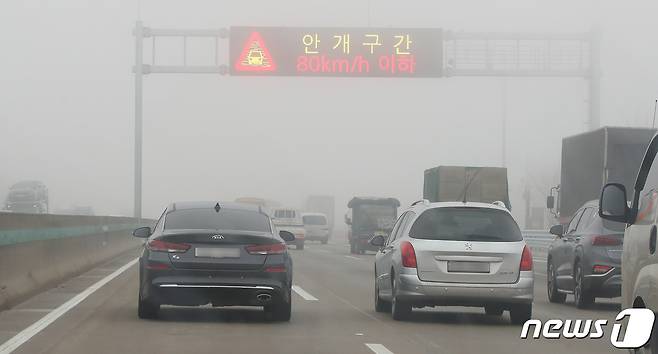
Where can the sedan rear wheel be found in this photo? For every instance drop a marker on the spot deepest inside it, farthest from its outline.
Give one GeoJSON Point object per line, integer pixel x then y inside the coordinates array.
{"type": "Point", "coordinates": [146, 309]}
{"type": "Point", "coordinates": [581, 294]}
{"type": "Point", "coordinates": [280, 311]}
{"type": "Point", "coordinates": [554, 295]}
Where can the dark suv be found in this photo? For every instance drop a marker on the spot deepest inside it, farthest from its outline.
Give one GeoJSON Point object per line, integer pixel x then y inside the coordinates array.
{"type": "Point", "coordinates": [585, 258]}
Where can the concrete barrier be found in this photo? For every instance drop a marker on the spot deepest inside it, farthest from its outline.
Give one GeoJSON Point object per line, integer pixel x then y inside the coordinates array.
{"type": "Point", "coordinates": [39, 251]}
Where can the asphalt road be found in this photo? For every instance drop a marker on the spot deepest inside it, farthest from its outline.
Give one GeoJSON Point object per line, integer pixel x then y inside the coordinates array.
{"type": "Point", "coordinates": [332, 313]}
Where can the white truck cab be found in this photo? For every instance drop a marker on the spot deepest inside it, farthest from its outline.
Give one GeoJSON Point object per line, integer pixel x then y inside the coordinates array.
{"type": "Point", "coordinates": [290, 219]}
{"type": "Point", "coordinates": [639, 267]}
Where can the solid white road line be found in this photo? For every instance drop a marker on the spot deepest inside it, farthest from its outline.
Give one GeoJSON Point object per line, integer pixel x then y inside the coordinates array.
{"type": "Point", "coordinates": [378, 348]}
{"type": "Point", "coordinates": [26, 334]}
{"type": "Point", "coordinates": [301, 292]}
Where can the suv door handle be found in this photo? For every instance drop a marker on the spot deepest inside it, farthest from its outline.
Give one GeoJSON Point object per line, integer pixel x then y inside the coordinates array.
{"type": "Point", "coordinates": [652, 240]}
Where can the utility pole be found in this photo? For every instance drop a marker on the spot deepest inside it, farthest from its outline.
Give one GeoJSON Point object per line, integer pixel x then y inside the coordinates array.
{"type": "Point", "coordinates": [139, 75]}
{"type": "Point", "coordinates": [504, 122]}
{"type": "Point", "coordinates": [594, 121]}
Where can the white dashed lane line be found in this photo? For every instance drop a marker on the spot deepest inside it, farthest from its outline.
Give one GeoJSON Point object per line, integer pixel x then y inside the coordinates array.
{"type": "Point", "coordinates": [378, 348]}
{"type": "Point", "coordinates": [303, 293]}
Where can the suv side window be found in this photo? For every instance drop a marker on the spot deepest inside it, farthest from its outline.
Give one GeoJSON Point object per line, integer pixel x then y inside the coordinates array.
{"type": "Point", "coordinates": [649, 196]}
{"type": "Point", "coordinates": [585, 220]}
{"type": "Point", "coordinates": [574, 222]}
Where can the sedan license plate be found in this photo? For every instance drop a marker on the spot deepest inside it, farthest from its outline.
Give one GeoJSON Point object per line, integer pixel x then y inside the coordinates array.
{"type": "Point", "coordinates": [468, 267]}
{"type": "Point", "coordinates": [217, 252]}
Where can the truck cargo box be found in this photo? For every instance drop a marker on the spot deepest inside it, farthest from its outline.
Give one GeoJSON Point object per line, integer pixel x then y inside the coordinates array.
{"type": "Point", "coordinates": [589, 160]}
{"type": "Point", "coordinates": [479, 184]}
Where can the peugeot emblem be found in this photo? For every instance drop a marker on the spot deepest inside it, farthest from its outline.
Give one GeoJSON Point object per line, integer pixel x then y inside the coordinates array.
{"type": "Point", "coordinates": [469, 246]}
{"type": "Point", "coordinates": [217, 237]}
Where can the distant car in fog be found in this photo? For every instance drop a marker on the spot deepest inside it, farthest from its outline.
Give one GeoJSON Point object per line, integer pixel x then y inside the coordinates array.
{"type": "Point", "coordinates": [316, 226]}
{"type": "Point", "coordinates": [27, 197]}
{"type": "Point", "coordinates": [291, 220]}
{"type": "Point", "coordinates": [454, 254]}
{"type": "Point", "coordinates": [585, 258]}
{"type": "Point", "coordinates": [226, 254]}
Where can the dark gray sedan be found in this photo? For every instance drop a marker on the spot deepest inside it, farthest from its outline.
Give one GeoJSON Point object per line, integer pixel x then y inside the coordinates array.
{"type": "Point", "coordinates": [585, 258]}
{"type": "Point", "coordinates": [219, 253]}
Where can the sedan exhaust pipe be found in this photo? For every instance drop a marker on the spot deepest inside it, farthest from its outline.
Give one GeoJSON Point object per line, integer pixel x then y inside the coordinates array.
{"type": "Point", "coordinates": [264, 298]}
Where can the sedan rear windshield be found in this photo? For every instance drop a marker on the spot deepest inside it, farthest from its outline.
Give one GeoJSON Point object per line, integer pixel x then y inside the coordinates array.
{"type": "Point", "coordinates": [314, 220]}
{"type": "Point", "coordinates": [466, 224]}
{"type": "Point", "coordinates": [198, 219]}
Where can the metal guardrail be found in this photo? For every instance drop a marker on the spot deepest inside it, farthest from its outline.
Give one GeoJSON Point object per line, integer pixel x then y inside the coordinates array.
{"type": "Point", "coordinates": [538, 240]}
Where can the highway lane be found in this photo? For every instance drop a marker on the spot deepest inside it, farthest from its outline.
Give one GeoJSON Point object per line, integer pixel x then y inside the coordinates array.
{"type": "Point", "coordinates": [339, 317]}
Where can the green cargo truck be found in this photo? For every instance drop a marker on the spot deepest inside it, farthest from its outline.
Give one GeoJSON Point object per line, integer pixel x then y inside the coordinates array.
{"type": "Point", "coordinates": [464, 183]}
{"type": "Point", "coordinates": [369, 216]}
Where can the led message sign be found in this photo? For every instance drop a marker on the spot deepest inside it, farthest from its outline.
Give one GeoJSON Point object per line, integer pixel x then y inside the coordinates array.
{"type": "Point", "coordinates": [357, 52]}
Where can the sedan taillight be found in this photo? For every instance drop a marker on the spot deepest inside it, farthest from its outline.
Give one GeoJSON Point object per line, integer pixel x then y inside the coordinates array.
{"type": "Point", "coordinates": [164, 246]}
{"type": "Point", "coordinates": [275, 248]}
{"type": "Point", "coordinates": [606, 241]}
{"type": "Point", "coordinates": [601, 269]}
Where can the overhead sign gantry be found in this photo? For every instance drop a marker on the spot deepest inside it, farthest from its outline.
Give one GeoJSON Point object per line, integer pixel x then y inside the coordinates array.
{"type": "Point", "coordinates": [371, 52]}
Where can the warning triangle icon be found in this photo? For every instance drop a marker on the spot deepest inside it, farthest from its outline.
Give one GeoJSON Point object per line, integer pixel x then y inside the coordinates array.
{"type": "Point", "coordinates": [255, 57]}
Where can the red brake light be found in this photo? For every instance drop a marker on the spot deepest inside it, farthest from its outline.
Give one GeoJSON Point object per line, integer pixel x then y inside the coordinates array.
{"type": "Point", "coordinates": [408, 254]}
{"type": "Point", "coordinates": [601, 269]}
{"type": "Point", "coordinates": [606, 241]}
{"type": "Point", "coordinates": [526, 259]}
{"type": "Point", "coordinates": [276, 269]}
{"type": "Point", "coordinates": [275, 248]}
{"type": "Point", "coordinates": [163, 246]}
{"type": "Point", "coordinates": [157, 266]}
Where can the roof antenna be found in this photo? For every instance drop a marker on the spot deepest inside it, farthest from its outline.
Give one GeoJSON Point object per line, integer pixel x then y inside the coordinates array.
{"type": "Point", "coordinates": [467, 183]}
{"type": "Point", "coordinates": [217, 207]}
{"type": "Point", "coordinates": [653, 125]}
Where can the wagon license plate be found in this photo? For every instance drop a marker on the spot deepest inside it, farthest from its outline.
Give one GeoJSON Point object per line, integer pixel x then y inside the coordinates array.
{"type": "Point", "coordinates": [468, 267]}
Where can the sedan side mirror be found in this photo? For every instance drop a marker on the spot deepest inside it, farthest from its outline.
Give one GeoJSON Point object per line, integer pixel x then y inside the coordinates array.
{"type": "Point", "coordinates": [557, 230]}
{"type": "Point", "coordinates": [377, 241]}
{"type": "Point", "coordinates": [142, 232]}
{"type": "Point", "coordinates": [287, 235]}
{"type": "Point", "coordinates": [612, 204]}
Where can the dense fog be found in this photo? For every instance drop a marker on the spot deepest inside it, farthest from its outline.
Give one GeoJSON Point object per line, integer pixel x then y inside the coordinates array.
{"type": "Point", "coordinates": [67, 94]}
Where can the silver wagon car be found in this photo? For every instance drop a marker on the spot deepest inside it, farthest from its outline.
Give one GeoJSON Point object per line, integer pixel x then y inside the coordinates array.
{"type": "Point", "coordinates": [454, 254]}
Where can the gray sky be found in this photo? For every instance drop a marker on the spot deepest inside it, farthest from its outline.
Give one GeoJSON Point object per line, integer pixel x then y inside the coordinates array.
{"type": "Point", "coordinates": [66, 95]}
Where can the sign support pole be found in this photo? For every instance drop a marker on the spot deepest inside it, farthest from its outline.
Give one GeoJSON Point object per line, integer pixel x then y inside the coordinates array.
{"type": "Point", "coordinates": [139, 76]}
